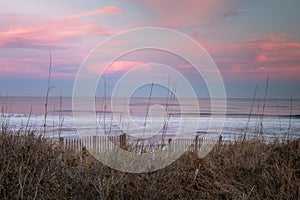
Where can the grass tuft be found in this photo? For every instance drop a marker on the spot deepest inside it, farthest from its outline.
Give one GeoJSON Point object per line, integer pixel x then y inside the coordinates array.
{"type": "Point", "coordinates": [33, 167]}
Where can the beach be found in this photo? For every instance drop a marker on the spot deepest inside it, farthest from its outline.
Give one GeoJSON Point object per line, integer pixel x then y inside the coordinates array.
{"type": "Point", "coordinates": [243, 116]}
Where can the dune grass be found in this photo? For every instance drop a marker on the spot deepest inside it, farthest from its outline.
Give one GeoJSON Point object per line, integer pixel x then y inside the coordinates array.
{"type": "Point", "coordinates": [32, 167]}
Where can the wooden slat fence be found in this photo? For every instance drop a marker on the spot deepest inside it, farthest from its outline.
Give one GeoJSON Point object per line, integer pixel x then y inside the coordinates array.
{"type": "Point", "coordinates": [104, 143]}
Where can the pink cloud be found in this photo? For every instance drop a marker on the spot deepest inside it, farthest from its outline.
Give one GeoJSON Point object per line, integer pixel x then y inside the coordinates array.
{"type": "Point", "coordinates": [9, 68]}
{"type": "Point", "coordinates": [115, 67]}
{"type": "Point", "coordinates": [32, 67]}
{"type": "Point", "coordinates": [49, 33]}
{"type": "Point", "coordinates": [275, 49]}
{"type": "Point", "coordinates": [63, 36]}
{"type": "Point", "coordinates": [109, 10]}
{"type": "Point", "coordinates": [276, 56]}
{"type": "Point", "coordinates": [176, 14]}
{"type": "Point", "coordinates": [69, 37]}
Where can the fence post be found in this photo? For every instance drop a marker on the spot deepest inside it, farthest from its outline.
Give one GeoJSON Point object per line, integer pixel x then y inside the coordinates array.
{"type": "Point", "coordinates": [61, 142]}
{"type": "Point", "coordinates": [94, 143]}
{"type": "Point", "coordinates": [196, 144]}
{"type": "Point", "coordinates": [123, 140]}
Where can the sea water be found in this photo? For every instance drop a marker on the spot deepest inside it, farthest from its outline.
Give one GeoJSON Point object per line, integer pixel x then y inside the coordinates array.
{"type": "Point", "coordinates": [270, 117]}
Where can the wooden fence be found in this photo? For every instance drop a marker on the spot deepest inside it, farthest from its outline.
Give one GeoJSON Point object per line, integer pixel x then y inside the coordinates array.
{"type": "Point", "coordinates": [105, 143]}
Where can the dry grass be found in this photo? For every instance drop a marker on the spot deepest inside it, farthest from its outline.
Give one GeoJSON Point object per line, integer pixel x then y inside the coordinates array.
{"type": "Point", "coordinates": [34, 168]}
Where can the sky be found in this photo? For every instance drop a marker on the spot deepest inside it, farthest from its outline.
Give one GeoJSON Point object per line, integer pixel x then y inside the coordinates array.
{"type": "Point", "coordinates": [250, 41]}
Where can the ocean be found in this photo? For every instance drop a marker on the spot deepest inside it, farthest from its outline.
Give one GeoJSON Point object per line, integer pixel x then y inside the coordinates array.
{"type": "Point", "coordinates": [272, 117]}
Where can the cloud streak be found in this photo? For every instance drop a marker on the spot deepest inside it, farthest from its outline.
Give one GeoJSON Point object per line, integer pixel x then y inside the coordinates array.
{"type": "Point", "coordinates": [50, 34]}
{"type": "Point", "coordinates": [190, 13]}
{"type": "Point", "coordinates": [277, 56]}
{"type": "Point", "coordinates": [109, 10]}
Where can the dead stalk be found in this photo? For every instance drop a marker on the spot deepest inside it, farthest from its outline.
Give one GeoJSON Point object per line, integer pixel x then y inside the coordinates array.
{"type": "Point", "coordinates": [290, 120]}
{"type": "Point", "coordinates": [263, 108]}
{"type": "Point", "coordinates": [148, 107]}
{"type": "Point", "coordinates": [48, 92]}
{"type": "Point", "coordinates": [61, 118]}
{"type": "Point", "coordinates": [251, 110]}
{"type": "Point", "coordinates": [28, 119]}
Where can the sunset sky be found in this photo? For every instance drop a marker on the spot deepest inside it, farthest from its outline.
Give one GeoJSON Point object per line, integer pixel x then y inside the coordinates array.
{"type": "Point", "coordinates": [248, 40]}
